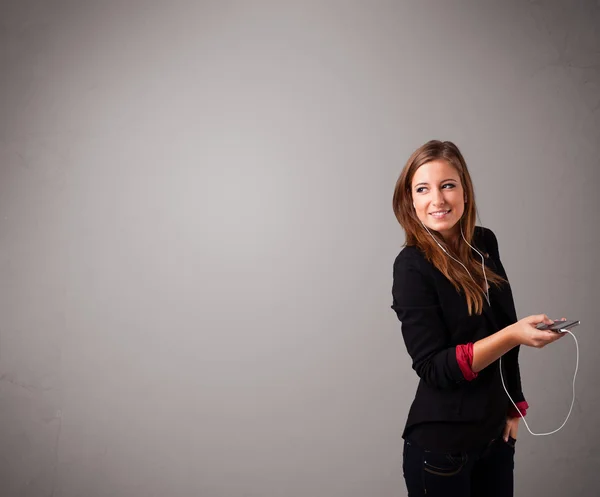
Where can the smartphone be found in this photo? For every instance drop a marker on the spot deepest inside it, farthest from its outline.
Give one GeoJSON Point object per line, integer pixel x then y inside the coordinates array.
{"type": "Point", "coordinates": [558, 326]}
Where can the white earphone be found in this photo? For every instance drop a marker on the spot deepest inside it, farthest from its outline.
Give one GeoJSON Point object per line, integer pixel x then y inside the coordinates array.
{"type": "Point", "coordinates": [487, 296]}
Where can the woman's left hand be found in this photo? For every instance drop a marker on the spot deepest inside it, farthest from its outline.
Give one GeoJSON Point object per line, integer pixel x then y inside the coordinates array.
{"type": "Point", "coordinates": [511, 428]}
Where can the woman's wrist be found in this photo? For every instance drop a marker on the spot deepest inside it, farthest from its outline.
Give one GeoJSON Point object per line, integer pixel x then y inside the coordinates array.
{"type": "Point", "coordinates": [512, 335]}
{"type": "Point", "coordinates": [490, 348]}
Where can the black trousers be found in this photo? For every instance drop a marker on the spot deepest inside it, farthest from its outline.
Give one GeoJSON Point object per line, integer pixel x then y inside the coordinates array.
{"type": "Point", "coordinates": [481, 473]}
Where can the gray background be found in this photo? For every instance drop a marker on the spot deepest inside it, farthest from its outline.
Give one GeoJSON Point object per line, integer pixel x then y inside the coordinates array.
{"type": "Point", "coordinates": [196, 235]}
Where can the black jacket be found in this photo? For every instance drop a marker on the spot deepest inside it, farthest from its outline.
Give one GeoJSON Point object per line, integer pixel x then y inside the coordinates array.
{"type": "Point", "coordinates": [435, 320]}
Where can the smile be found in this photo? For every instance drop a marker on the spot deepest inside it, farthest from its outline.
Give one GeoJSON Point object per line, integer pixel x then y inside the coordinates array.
{"type": "Point", "coordinates": [439, 214]}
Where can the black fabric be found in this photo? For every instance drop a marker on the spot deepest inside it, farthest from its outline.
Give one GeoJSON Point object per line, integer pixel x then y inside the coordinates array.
{"type": "Point", "coordinates": [484, 472]}
{"type": "Point", "coordinates": [435, 320]}
{"type": "Point", "coordinates": [456, 436]}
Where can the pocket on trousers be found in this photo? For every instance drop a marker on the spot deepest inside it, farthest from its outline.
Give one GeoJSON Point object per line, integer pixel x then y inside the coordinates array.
{"type": "Point", "coordinates": [441, 464]}
{"type": "Point", "coordinates": [511, 442]}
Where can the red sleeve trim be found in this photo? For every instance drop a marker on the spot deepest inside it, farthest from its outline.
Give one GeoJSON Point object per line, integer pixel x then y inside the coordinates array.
{"type": "Point", "coordinates": [464, 358]}
{"type": "Point", "coordinates": [522, 409]}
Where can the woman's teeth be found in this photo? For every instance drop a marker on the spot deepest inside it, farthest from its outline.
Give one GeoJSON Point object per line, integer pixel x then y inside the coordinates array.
{"type": "Point", "coordinates": [440, 214]}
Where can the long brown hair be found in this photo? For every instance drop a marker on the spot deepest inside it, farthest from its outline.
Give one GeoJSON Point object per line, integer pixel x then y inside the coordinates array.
{"type": "Point", "coordinates": [417, 236]}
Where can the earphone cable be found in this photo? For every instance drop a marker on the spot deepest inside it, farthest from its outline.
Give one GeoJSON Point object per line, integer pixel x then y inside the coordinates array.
{"type": "Point", "coordinates": [487, 295]}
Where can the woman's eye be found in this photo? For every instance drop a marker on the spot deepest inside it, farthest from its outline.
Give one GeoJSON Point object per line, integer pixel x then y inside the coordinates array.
{"type": "Point", "coordinates": [422, 188]}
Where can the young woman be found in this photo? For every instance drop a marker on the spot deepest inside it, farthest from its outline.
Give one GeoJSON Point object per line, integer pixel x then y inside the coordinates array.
{"type": "Point", "coordinates": [452, 295]}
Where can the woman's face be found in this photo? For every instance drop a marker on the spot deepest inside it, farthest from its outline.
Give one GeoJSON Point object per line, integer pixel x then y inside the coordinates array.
{"type": "Point", "coordinates": [438, 197]}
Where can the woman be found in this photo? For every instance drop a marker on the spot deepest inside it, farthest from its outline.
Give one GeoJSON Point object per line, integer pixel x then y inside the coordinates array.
{"type": "Point", "coordinates": [452, 295]}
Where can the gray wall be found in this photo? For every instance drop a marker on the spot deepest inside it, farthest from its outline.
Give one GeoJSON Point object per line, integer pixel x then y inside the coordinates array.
{"type": "Point", "coordinates": [196, 235]}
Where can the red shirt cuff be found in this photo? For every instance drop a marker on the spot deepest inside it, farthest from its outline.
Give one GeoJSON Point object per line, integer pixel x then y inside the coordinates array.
{"type": "Point", "coordinates": [520, 411]}
{"type": "Point", "coordinates": [464, 358]}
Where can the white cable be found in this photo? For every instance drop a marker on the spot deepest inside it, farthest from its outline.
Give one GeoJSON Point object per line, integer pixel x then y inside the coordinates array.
{"type": "Point", "coordinates": [572, 401]}
{"type": "Point", "coordinates": [487, 293]}
{"type": "Point", "coordinates": [487, 296]}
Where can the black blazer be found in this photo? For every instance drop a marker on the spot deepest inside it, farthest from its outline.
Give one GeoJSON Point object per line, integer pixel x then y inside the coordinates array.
{"type": "Point", "coordinates": [435, 320]}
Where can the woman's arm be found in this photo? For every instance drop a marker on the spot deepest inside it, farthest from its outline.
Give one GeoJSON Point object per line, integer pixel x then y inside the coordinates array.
{"type": "Point", "coordinates": [523, 332]}
{"type": "Point", "coordinates": [426, 336]}
{"type": "Point", "coordinates": [490, 348]}
{"type": "Point", "coordinates": [423, 328]}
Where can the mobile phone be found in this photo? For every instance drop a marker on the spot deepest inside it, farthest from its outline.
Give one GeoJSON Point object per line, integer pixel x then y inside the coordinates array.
{"type": "Point", "coordinates": [558, 326]}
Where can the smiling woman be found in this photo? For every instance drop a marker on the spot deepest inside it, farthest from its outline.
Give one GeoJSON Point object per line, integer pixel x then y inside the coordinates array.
{"type": "Point", "coordinates": [435, 192]}
{"type": "Point", "coordinates": [452, 295]}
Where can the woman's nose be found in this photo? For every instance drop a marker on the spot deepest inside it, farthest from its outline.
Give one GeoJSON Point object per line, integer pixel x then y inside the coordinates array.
{"type": "Point", "coordinates": [438, 197]}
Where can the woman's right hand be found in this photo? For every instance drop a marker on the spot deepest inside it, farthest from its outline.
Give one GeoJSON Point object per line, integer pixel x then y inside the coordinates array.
{"type": "Point", "coordinates": [526, 332]}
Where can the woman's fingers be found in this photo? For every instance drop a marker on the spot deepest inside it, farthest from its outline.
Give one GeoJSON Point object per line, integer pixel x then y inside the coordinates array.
{"type": "Point", "coordinates": [510, 428]}
{"type": "Point", "coordinates": [543, 337]}
{"type": "Point", "coordinates": [539, 318]}
{"type": "Point", "coordinates": [506, 432]}
{"type": "Point", "coordinates": [555, 336]}
{"type": "Point", "coordinates": [529, 334]}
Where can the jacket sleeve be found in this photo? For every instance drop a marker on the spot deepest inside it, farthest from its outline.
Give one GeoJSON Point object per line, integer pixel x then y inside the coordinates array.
{"type": "Point", "coordinates": [511, 358]}
{"type": "Point", "coordinates": [425, 334]}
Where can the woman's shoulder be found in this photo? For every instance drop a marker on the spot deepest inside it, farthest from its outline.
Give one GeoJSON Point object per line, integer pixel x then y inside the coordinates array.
{"type": "Point", "coordinates": [482, 231]}
{"type": "Point", "coordinates": [412, 277]}
{"type": "Point", "coordinates": [409, 253]}
{"type": "Point", "coordinates": [486, 238]}
{"type": "Point", "coordinates": [411, 257]}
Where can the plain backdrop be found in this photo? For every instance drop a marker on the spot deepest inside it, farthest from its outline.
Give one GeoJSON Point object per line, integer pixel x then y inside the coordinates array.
{"type": "Point", "coordinates": [197, 236]}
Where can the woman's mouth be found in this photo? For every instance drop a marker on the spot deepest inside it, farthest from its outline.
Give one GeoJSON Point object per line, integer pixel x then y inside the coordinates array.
{"type": "Point", "coordinates": [440, 214]}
